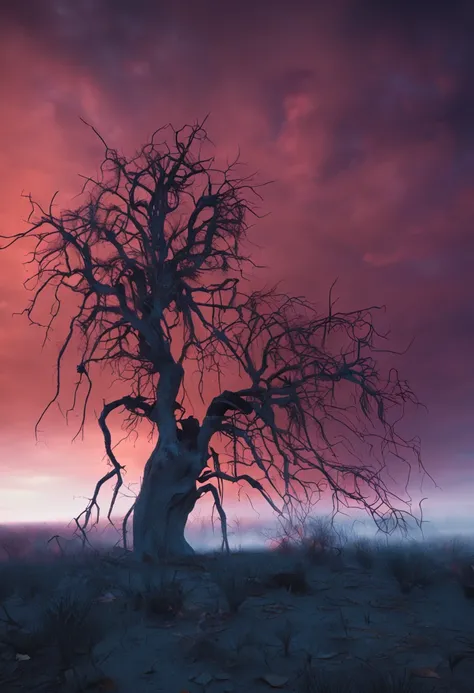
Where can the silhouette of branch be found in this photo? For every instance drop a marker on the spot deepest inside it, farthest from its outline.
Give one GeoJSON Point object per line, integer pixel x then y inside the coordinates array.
{"type": "Point", "coordinates": [153, 260]}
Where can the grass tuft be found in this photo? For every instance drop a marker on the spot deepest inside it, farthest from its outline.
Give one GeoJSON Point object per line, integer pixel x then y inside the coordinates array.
{"type": "Point", "coordinates": [233, 584]}
{"type": "Point", "coordinates": [71, 626]}
{"type": "Point", "coordinates": [294, 581]}
{"type": "Point", "coordinates": [364, 554]}
{"type": "Point", "coordinates": [165, 599]}
{"type": "Point", "coordinates": [411, 569]}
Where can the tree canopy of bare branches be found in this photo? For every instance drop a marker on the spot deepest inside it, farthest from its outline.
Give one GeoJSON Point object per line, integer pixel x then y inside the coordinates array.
{"type": "Point", "coordinates": [154, 258]}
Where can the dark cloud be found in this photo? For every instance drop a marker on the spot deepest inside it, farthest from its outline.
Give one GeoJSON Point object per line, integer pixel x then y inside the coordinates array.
{"type": "Point", "coordinates": [432, 41]}
{"type": "Point", "coordinates": [407, 20]}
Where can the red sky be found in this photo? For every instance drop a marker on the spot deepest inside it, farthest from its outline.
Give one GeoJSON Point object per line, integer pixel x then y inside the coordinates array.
{"type": "Point", "coordinates": [363, 114]}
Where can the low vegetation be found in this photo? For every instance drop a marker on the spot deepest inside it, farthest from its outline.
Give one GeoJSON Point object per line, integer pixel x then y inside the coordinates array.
{"type": "Point", "coordinates": [391, 618]}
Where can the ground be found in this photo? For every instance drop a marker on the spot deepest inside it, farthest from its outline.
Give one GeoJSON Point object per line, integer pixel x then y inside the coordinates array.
{"type": "Point", "coordinates": [364, 617]}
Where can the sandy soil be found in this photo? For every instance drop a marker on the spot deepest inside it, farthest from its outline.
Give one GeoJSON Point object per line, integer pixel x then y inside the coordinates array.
{"type": "Point", "coordinates": [364, 618]}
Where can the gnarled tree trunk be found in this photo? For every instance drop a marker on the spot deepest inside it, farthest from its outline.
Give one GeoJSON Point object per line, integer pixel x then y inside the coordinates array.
{"type": "Point", "coordinates": [167, 496]}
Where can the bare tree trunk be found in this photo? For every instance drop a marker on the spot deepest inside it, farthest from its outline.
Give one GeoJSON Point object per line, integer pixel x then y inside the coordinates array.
{"type": "Point", "coordinates": [167, 496]}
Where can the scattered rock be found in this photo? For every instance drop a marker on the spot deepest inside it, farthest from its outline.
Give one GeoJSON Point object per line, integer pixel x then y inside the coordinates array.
{"type": "Point", "coordinates": [275, 680]}
{"type": "Point", "coordinates": [22, 657]}
{"type": "Point", "coordinates": [203, 679]}
{"type": "Point", "coordinates": [425, 673]}
{"type": "Point", "coordinates": [327, 655]}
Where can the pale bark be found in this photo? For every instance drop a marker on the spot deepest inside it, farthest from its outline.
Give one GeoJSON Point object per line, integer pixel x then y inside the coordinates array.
{"type": "Point", "coordinates": [167, 497]}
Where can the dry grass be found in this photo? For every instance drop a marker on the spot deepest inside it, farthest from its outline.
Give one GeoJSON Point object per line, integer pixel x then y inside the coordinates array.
{"type": "Point", "coordinates": [166, 599]}
{"type": "Point", "coordinates": [233, 581]}
{"type": "Point", "coordinates": [313, 680]}
{"type": "Point", "coordinates": [294, 581]}
{"type": "Point", "coordinates": [364, 554]}
{"type": "Point", "coordinates": [278, 609]}
{"type": "Point", "coordinates": [411, 568]}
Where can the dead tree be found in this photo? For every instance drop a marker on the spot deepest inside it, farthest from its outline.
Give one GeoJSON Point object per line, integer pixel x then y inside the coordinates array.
{"type": "Point", "coordinates": [154, 258]}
